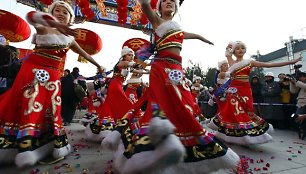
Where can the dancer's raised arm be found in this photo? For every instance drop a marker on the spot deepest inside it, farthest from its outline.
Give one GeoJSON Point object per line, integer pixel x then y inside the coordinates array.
{"type": "Point", "coordinates": [188, 35]}
{"type": "Point", "coordinates": [149, 12]}
{"type": "Point", "coordinates": [275, 64]}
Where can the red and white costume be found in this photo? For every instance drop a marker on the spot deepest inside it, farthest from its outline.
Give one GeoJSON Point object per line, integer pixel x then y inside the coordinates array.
{"type": "Point", "coordinates": [195, 92]}
{"type": "Point", "coordinates": [237, 121]}
{"type": "Point", "coordinates": [170, 107]}
{"type": "Point", "coordinates": [132, 85]}
{"type": "Point", "coordinates": [220, 100]}
{"type": "Point", "coordinates": [115, 106]}
{"type": "Point", "coordinates": [30, 112]}
{"type": "Point", "coordinates": [196, 88]}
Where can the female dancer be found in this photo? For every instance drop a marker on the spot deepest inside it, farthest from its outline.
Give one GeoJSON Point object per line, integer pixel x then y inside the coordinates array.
{"type": "Point", "coordinates": [116, 102]}
{"type": "Point", "coordinates": [238, 122]}
{"type": "Point", "coordinates": [196, 87]}
{"type": "Point", "coordinates": [33, 128]}
{"type": "Point", "coordinates": [220, 95]}
{"type": "Point", "coordinates": [151, 144]}
{"type": "Point", "coordinates": [133, 84]}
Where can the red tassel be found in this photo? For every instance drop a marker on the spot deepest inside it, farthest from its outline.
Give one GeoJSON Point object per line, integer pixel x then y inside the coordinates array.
{"type": "Point", "coordinates": [122, 11]}
{"type": "Point", "coordinates": [143, 20]}
{"type": "Point", "coordinates": [153, 4]}
{"type": "Point", "coordinates": [46, 2]}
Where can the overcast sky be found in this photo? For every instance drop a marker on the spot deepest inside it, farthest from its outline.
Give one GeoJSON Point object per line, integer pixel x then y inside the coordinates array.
{"type": "Point", "coordinates": [263, 25]}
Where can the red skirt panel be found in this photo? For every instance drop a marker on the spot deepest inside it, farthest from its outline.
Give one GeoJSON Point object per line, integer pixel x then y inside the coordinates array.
{"type": "Point", "coordinates": [116, 103]}
{"type": "Point", "coordinates": [115, 106]}
{"type": "Point", "coordinates": [131, 92]}
{"type": "Point", "coordinates": [237, 117]}
{"type": "Point", "coordinates": [175, 100]}
{"type": "Point", "coordinates": [31, 109]}
{"type": "Point", "coordinates": [238, 111]}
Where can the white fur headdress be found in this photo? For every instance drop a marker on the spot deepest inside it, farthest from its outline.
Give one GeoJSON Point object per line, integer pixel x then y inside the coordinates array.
{"type": "Point", "coordinates": [63, 4]}
{"type": "Point", "coordinates": [221, 63]}
{"type": "Point", "coordinates": [235, 44]}
{"type": "Point", "coordinates": [196, 78]}
{"type": "Point", "coordinates": [159, 4]}
{"type": "Point", "coordinates": [126, 50]}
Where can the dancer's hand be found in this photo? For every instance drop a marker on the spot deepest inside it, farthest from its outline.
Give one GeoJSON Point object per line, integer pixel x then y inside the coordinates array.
{"type": "Point", "coordinates": [137, 66]}
{"type": "Point", "coordinates": [293, 80]}
{"type": "Point", "coordinates": [229, 50]}
{"type": "Point", "coordinates": [301, 118]}
{"type": "Point", "coordinates": [101, 70]}
{"type": "Point", "coordinates": [296, 60]}
{"type": "Point", "coordinates": [210, 43]}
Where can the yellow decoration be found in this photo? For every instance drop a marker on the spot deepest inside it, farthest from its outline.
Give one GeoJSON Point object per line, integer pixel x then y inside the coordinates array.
{"type": "Point", "coordinates": [82, 59]}
{"type": "Point", "coordinates": [101, 7]}
{"type": "Point", "coordinates": [136, 13]}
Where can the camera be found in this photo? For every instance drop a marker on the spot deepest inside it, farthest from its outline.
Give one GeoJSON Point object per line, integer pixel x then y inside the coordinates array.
{"type": "Point", "coordinates": [290, 77]}
{"type": "Point", "coordinates": [297, 66]}
{"type": "Point", "coordinates": [294, 116]}
{"type": "Point", "coordinates": [296, 74]}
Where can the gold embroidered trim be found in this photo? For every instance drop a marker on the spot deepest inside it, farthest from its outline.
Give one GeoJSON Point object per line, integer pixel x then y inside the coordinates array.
{"type": "Point", "coordinates": [48, 56]}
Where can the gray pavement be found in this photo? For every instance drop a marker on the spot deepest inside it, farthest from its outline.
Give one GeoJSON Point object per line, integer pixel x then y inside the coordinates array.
{"type": "Point", "coordinates": [286, 154]}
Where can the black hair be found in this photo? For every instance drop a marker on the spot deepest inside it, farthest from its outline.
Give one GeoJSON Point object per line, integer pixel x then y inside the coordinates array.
{"type": "Point", "coordinates": [67, 70]}
{"type": "Point", "coordinates": [8, 54]}
{"type": "Point", "coordinates": [75, 69]}
{"type": "Point", "coordinates": [301, 74]}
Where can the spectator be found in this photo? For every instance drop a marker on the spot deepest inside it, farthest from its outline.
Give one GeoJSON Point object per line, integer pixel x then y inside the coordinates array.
{"type": "Point", "coordinates": [256, 90]}
{"type": "Point", "coordinates": [9, 66]}
{"type": "Point", "coordinates": [286, 99]}
{"type": "Point", "coordinates": [284, 84]}
{"type": "Point", "coordinates": [256, 87]}
{"type": "Point", "coordinates": [271, 89]}
{"type": "Point", "coordinates": [80, 79]}
{"type": "Point", "coordinates": [298, 86]}
{"type": "Point", "coordinates": [271, 92]}
{"type": "Point", "coordinates": [66, 72]}
{"type": "Point", "coordinates": [69, 99]}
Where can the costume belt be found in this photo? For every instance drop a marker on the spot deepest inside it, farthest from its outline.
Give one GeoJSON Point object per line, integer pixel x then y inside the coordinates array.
{"type": "Point", "coordinates": [48, 55]}
{"type": "Point", "coordinates": [170, 60]}
{"type": "Point", "coordinates": [119, 75]}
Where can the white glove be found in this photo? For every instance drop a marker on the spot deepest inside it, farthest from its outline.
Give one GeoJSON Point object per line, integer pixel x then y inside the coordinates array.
{"type": "Point", "coordinates": [227, 74]}
{"type": "Point", "coordinates": [228, 52]}
{"type": "Point", "coordinates": [205, 88]}
{"type": "Point", "coordinates": [230, 49]}
{"type": "Point", "coordinates": [148, 62]}
{"type": "Point", "coordinates": [211, 102]}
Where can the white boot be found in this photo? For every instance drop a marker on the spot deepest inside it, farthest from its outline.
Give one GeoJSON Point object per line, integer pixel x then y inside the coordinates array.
{"type": "Point", "coordinates": [168, 153]}
{"type": "Point", "coordinates": [61, 152]}
{"type": "Point", "coordinates": [95, 137]}
{"type": "Point", "coordinates": [159, 128]}
{"type": "Point", "coordinates": [111, 141]}
{"type": "Point", "coordinates": [211, 124]}
{"type": "Point", "coordinates": [29, 158]}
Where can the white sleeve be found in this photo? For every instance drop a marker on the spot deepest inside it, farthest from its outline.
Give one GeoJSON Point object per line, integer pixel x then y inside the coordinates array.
{"type": "Point", "coordinates": [35, 17]}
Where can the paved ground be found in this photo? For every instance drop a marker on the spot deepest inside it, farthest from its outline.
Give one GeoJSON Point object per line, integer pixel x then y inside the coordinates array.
{"type": "Point", "coordinates": [285, 155]}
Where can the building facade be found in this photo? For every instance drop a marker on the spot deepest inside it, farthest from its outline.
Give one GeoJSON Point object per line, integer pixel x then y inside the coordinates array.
{"type": "Point", "coordinates": [281, 55]}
